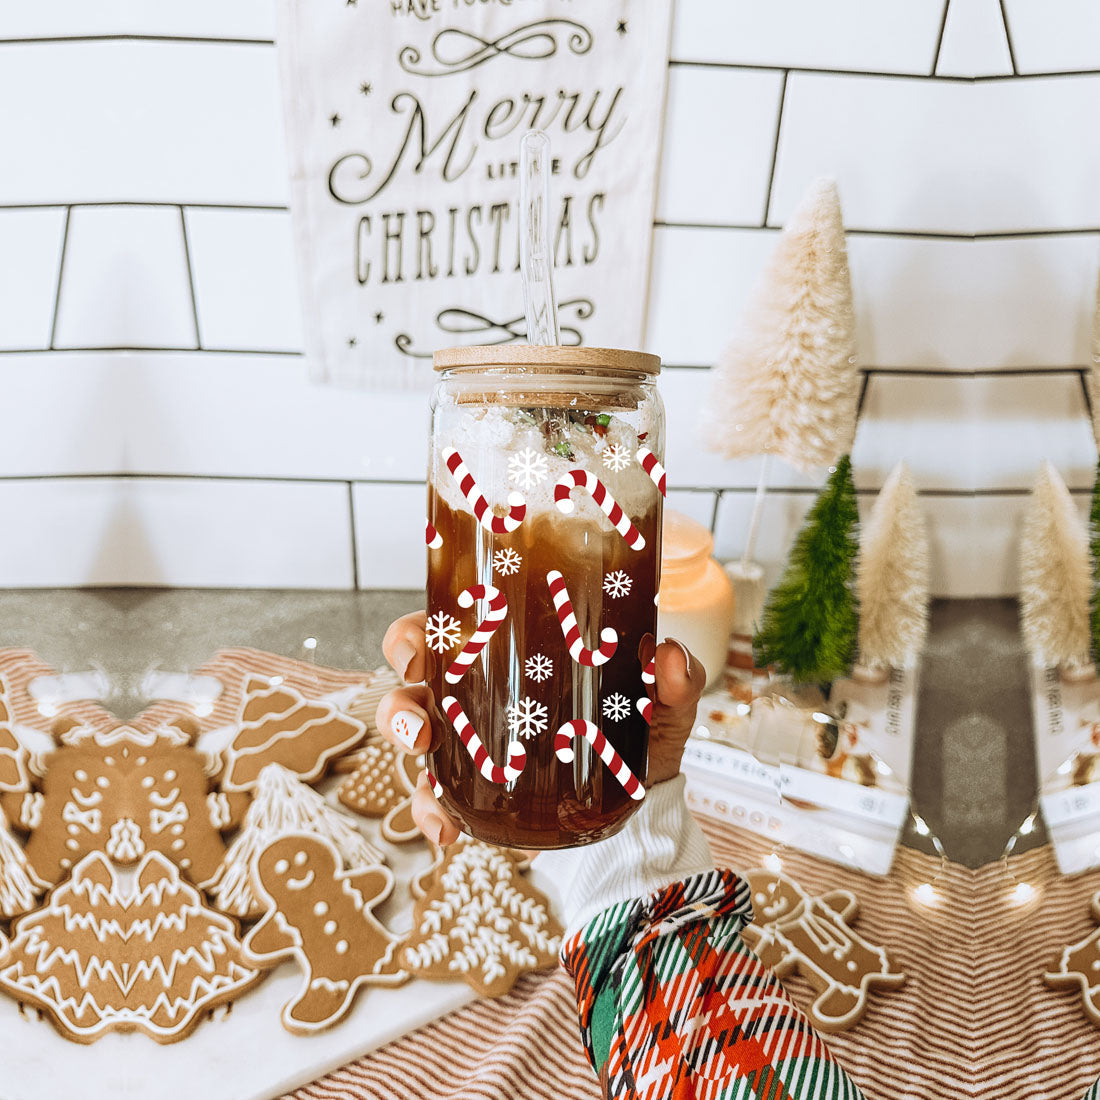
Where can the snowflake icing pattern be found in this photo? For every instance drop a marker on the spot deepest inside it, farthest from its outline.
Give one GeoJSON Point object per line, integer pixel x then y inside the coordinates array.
{"type": "Point", "coordinates": [442, 632]}
{"type": "Point", "coordinates": [526, 718]}
{"type": "Point", "coordinates": [616, 707]}
{"type": "Point", "coordinates": [506, 562]}
{"type": "Point", "coordinates": [616, 457]}
{"type": "Point", "coordinates": [539, 667]}
{"type": "Point", "coordinates": [617, 584]}
{"type": "Point", "coordinates": [527, 468]}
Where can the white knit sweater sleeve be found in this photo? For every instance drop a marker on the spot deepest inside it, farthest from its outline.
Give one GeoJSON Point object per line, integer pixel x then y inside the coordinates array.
{"type": "Point", "coordinates": [659, 845]}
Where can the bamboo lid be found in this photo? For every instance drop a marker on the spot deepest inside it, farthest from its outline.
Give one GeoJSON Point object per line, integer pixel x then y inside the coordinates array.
{"type": "Point", "coordinates": [538, 357]}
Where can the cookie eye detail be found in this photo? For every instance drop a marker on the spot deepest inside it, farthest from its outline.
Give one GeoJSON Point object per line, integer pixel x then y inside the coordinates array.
{"type": "Point", "coordinates": [300, 858]}
{"type": "Point", "coordinates": [281, 867]}
{"type": "Point", "coordinates": [80, 775]}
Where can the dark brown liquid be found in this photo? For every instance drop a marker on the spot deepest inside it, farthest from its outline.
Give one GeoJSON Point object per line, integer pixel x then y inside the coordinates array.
{"type": "Point", "coordinates": [551, 804]}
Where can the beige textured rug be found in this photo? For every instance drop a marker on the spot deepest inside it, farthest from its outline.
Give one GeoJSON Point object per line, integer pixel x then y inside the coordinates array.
{"type": "Point", "coordinates": [974, 1019]}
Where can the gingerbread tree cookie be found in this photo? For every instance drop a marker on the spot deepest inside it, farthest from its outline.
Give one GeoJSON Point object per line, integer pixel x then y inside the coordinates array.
{"type": "Point", "coordinates": [123, 791]}
{"type": "Point", "coordinates": [283, 804]}
{"type": "Point", "coordinates": [320, 915]}
{"type": "Point", "coordinates": [100, 956]}
{"type": "Point", "coordinates": [18, 886]}
{"type": "Point", "coordinates": [480, 921]}
{"type": "Point", "coordinates": [1078, 967]}
{"type": "Point", "coordinates": [278, 725]}
{"type": "Point", "coordinates": [793, 931]}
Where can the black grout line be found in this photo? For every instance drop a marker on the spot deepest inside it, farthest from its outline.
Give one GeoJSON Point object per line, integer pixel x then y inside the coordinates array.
{"type": "Point", "coordinates": [1084, 375]}
{"type": "Point", "coordinates": [354, 553]}
{"type": "Point", "coordinates": [939, 38]}
{"type": "Point", "coordinates": [714, 511]}
{"type": "Point", "coordinates": [1008, 39]}
{"type": "Point", "coordinates": [812, 71]}
{"type": "Point", "coordinates": [864, 383]}
{"type": "Point", "coordinates": [60, 275]}
{"type": "Point", "coordinates": [191, 39]}
{"type": "Point", "coordinates": [191, 279]}
{"type": "Point", "coordinates": [146, 202]}
{"type": "Point", "coordinates": [775, 150]}
{"type": "Point", "coordinates": [157, 350]}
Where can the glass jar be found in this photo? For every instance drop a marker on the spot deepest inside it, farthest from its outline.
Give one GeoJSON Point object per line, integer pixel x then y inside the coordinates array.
{"type": "Point", "coordinates": [696, 604]}
{"type": "Point", "coordinates": [544, 533]}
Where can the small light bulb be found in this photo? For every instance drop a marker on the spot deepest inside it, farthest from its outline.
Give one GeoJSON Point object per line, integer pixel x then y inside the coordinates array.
{"type": "Point", "coordinates": [773, 863]}
{"type": "Point", "coordinates": [1065, 767]}
{"type": "Point", "coordinates": [275, 681]}
{"type": "Point", "coordinates": [47, 710]}
{"type": "Point", "coordinates": [926, 894]}
{"type": "Point", "coordinates": [882, 767]}
{"type": "Point", "coordinates": [1028, 826]}
{"type": "Point", "coordinates": [921, 825]}
{"type": "Point", "coordinates": [1023, 893]}
{"type": "Point", "coordinates": [203, 709]}
{"type": "Point", "coordinates": [310, 643]}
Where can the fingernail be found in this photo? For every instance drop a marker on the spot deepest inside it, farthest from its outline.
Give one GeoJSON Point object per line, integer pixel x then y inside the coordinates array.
{"type": "Point", "coordinates": [683, 649]}
{"type": "Point", "coordinates": [406, 727]}
{"type": "Point", "coordinates": [433, 828]}
{"type": "Point", "coordinates": [403, 653]}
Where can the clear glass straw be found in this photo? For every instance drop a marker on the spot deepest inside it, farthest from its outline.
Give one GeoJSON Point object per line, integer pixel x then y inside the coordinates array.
{"type": "Point", "coordinates": [536, 259]}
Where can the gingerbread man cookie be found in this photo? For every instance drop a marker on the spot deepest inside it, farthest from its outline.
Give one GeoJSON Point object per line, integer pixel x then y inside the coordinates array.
{"type": "Point", "coordinates": [101, 955]}
{"type": "Point", "coordinates": [480, 922]}
{"type": "Point", "coordinates": [123, 792]}
{"type": "Point", "coordinates": [320, 915]}
{"type": "Point", "coordinates": [793, 931]}
{"type": "Point", "coordinates": [278, 725]}
{"type": "Point", "coordinates": [1078, 967]}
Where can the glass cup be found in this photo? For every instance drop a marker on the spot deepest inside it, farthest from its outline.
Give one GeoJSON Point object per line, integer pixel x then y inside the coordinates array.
{"type": "Point", "coordinates": [544, 532]}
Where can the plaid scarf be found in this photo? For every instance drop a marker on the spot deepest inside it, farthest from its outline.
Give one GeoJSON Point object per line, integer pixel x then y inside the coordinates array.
{"type": "Point", "coordinates": [674, 1006]}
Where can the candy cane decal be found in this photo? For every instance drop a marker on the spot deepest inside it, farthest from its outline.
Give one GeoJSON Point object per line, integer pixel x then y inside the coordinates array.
{"type": "Point", "coordinates": [498, 610]}
{"type": "Point", "coordinates": [517, 754]}
{"type": "Point", "coordinates": [431, 536]}
{"type": "Point", "coordinates": [436, 786]}
{"type": "Point", "coordinates": [583, 479]}
{"type": "Point", "coordinates": [649, 676]}
{"type": "Point", "coordinates": [501, 525]}
{"type": "Point", "coordinates": [609, 639]}
{"type": "Point", "coordinates": [652, 467]}
{"type": "Point", "coordinates": [579, 727]}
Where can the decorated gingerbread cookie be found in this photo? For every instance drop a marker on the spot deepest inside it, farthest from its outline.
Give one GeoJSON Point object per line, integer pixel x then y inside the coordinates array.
{"type": "Point", "coordinates": [1078, 967]}
{"type": "Point", "coordinates": [123, 792]}
{"type": "Point", "coordinates": [283, 804]}
{"type": "Point", "coordinates": [792, 931]}
{"type": "Point", "coordinates": [383, 786]}
{"type": "Point", "coordinates": [278, 725]}
{"type": "Point", "coordinates": [320, 915]}
{"type": "Point", "coordinates": [19, 886]}
{"type": "Point", "coordinates": [479, 921]}
{"type": "Point", "coordinates": [101, 956]}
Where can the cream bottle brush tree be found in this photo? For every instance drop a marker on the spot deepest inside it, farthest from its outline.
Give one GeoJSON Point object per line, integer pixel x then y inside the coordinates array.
{"type": "Point", "coordinates": [893, 576]}
{"type": "Point", "coordinates": [1055, 577]}
{"type": "Point", "coordinates": [788, 385]}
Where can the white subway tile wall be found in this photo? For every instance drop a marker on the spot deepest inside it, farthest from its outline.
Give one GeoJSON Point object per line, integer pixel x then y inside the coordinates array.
{"type": "Point", "coordinates": [146, 153]}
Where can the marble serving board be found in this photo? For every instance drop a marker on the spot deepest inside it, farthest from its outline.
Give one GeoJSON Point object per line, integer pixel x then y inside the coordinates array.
{"type": "Point", "coordinates": [241, 1052]}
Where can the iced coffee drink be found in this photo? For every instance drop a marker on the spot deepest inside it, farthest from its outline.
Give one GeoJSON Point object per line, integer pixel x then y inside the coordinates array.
{"type": "Point", "coordinates": [545, 489]}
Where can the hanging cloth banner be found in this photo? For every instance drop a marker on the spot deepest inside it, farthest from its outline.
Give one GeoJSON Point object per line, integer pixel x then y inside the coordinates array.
{"type": "Point", "coordinates": [403, 123]}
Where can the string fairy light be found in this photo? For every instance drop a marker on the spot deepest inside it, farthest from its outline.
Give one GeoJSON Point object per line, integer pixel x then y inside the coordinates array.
{"type": "Point", "coordinates": [1020, 893]}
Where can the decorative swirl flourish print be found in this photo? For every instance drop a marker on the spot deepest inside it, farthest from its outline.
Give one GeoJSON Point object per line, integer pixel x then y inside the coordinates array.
{"type": "Point", "coordinates": [455, 50]}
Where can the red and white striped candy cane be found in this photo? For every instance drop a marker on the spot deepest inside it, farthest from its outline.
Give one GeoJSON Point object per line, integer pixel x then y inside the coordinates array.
{"type": "Point", "coordinates": [649, 676]}
{"type": "Point", "coordinates": [579, 727]}
{"type": "Point", "coordinates": [609, 639]}
{"type": "Point", "coordinates": [436, 786]}
{"type": "Point", "coordinates": [498, 610]}
{"type": "Point", "coordinates": [652, 467]}
{"type": "Point", "coordinates": [517, 754]}
{"type": "Point", "coordinates": [431, 536]}
{"type": "Point", "coordinates": [583, 479]}
{"type": "Point", "coordinates": [501, 525]}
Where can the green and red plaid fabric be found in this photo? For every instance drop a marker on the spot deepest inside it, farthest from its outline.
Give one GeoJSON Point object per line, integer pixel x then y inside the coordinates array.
{"type": "Point", "coordinates": [674, 1006]}
{"type": "Point", "coordinates": [1093, 1093]}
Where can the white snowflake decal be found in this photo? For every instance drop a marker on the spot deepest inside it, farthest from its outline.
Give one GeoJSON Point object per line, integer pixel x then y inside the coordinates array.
{"type": "Point", "coordinates": [616, 707]}
{"type": "Point", "coordinates": [527, 468]}
{"type": "Point", "coordinates": [539, 667]}
{"type": "Point", "coordinates": [616, 457]}
{"type": "Point", "coordinates": [506, 562]}
{"type": "Point", "coordinates": [442, 632]}
{"type": "Point", "coordinates": [526, 718]}
{"type": "Point", "coordinates": [617, 584]}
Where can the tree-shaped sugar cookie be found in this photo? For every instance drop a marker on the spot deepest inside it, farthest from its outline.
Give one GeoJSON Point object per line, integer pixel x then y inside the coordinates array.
{"type": "Point", "coordinates": [18, 886]}
{"type": "Point", "coordinates": [479, 921]}
{"type": "Point", "coordinates": [279, 725]}
{"type": "Point", "coordinates": [320, 915]}
{"type": "Point", "coordinates": [102, 955]}
{"type": "Point", "coordinates": [795, 932]}
{"type": "Point", "coordinates": [283, 804]}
